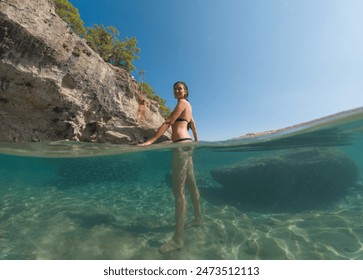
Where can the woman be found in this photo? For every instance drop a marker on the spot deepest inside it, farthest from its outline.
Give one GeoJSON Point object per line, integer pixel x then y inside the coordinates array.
{"type": "Point", "coordinates": [181, 120]}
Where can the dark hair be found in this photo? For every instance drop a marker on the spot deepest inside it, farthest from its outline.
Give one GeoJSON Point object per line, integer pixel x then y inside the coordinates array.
{"type": "Point", "coordinates": [185, 86]}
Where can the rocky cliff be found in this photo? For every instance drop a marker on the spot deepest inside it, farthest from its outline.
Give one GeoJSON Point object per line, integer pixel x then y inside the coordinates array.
{"type": "Point", "coordinates": [53, 86]}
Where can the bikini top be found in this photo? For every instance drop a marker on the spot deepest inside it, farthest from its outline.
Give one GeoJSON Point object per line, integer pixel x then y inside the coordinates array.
{"type": "Point", "coordinates": [183, 120]}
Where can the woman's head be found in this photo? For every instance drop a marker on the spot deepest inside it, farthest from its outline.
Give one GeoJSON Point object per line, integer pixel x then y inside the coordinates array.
{"type": "Point", "coordinates": [179, 87]}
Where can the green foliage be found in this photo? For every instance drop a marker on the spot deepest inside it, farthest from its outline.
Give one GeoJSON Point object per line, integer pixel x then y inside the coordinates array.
{"type": "Point", "coordinates": [146, 89]}
{"type": "Point", "coordinates": [100, 39]}
{"type": "Point", "coordinates": [124, 53]}
{"type": "Point", "coordinates": [104, 41]}
{"type": "Point", "coordinates": [70, 15]}
{"type": "Point", "coordinates": [165, 110]}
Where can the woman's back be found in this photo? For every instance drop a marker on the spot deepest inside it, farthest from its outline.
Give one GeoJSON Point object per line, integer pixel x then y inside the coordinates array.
{"type": "Point", "coordinates": [181, 124]}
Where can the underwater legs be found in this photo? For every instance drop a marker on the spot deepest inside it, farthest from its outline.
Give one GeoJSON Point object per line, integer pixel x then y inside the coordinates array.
{"type": "Point", "coordinates": [183, 173]}
{"type": "Point", "coordinates": [179, 178]}
{"type": "Point", "coordinates": [194, 195]}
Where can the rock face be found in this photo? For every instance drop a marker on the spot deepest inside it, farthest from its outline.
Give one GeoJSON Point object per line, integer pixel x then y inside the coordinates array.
{"type": "Point", "coordinates": [289, 182]}
{"type": "Point", "coordinates": [54, 87]}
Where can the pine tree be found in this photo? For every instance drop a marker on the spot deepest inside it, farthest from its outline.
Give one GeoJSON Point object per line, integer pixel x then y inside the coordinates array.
{"type": "Point", "coordinates": [104, 41]}
{"type": "Point", "coordinates": [70, 15]}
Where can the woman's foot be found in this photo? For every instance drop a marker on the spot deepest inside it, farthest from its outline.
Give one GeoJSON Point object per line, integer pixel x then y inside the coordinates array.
{"type": "Point", "coordinates": [171, 245]}
{"type": "Point", "coordinates": [195, 223]}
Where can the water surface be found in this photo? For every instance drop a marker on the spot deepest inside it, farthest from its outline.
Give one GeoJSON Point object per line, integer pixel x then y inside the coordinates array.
{"type": "Point", "coordinates": [66, 200]}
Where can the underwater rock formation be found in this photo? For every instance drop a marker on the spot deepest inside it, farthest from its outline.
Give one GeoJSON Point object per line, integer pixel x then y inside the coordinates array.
{"type": "Point", "coordinates": [305, 179]}
{"type": "Point", "coordinates": [53, 86]}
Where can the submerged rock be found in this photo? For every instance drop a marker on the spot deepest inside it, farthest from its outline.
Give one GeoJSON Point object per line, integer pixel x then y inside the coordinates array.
{"type": "Point", "coordinates": [53, 86]}
{"type": "Point", "coordinates": [301, 180]}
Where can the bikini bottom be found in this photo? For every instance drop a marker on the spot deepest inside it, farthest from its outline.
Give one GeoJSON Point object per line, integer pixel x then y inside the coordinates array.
{"type": "Point", "coordinates": [182, 139]}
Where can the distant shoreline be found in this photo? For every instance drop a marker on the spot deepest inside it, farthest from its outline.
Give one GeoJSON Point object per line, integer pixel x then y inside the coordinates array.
{"type": "Point", "coordinates": [318, 120]}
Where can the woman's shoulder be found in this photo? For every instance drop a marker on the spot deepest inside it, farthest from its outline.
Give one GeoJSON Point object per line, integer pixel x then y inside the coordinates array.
{"type": "Point", "coordinates": [183, 102]}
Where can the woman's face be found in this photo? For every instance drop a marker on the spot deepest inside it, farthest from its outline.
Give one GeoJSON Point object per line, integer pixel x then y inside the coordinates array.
{"type": "Point", "coordinates": [179, 91]}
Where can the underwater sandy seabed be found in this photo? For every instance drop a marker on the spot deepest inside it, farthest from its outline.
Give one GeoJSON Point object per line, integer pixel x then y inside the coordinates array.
{"type": "Point", "coordinates": [112, 210]}
{"type": "Point", "coordinates": [132, 221]}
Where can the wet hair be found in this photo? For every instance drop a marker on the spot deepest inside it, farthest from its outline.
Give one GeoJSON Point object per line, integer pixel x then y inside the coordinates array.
{"type": "Point", "coordinates": [185, 86]}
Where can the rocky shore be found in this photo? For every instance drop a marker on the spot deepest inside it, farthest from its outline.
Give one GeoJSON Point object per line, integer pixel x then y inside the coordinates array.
{"type": "Point", "coordinates": [53, 86]}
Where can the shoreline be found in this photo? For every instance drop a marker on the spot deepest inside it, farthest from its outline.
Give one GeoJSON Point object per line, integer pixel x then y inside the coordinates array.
{"type": "Point", "coordinates": [300, 125]}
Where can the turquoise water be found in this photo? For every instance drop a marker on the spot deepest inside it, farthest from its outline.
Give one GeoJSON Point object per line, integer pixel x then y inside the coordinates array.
{"type": "Point", "coordinates": [292, 195]}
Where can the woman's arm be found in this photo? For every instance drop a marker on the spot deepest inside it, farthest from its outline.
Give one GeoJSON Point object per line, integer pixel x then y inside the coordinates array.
{"type": "Point", "coordinates": [165, 126]}
{"type": "Point", "coordinates": [194, 129]}
{"type": "Point", "coordinates": [161, 130]}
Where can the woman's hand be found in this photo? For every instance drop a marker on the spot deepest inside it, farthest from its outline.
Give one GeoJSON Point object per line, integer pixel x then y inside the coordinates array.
{"type": "Point", "coordinates": [147, 143]}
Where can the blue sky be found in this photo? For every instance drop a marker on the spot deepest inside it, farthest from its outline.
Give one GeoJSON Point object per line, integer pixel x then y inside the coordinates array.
{"type": "Point", "coordinates": [251, 65]}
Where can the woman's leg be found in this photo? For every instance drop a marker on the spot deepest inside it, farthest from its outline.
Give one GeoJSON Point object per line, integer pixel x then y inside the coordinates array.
{"type": "Point", "coordinates": [179, 173]}
{"type": "Point", "coordinates": [194, 193]}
